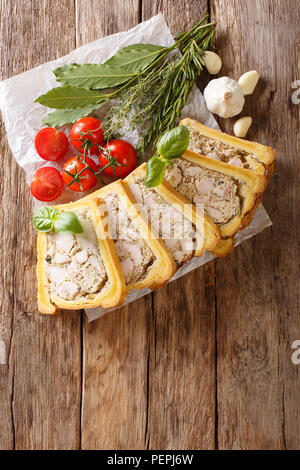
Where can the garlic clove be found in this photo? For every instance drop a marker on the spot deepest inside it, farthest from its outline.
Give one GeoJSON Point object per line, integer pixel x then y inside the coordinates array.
{"type": "Point", "coordinates": [242, 126]}
{"type": "Point", "coordinates": [212, 62]}
{"type": "Point", "coordinates": [248, 82]}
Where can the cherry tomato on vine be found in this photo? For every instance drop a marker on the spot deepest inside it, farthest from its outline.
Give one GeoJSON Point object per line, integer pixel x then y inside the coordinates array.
{"type": "Point", "coordinates": [73, 177]}
{"type": "Point", "coordinates": [121, 157]}
{"type": "Point", "coordinates": [87, 129]}
{"type": "Point", "coordinates": [51, 144]}
{"type": "Point", "coordinates": [47, 184]}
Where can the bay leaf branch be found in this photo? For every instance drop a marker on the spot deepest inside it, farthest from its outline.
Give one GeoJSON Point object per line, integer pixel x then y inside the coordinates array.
{"type": "Point", "coordinates": [94, 76]}
{"type": "Point", "coordinates": [60, 117]}
{"type": "Point", "coordinates": [70, 97]}
{"type": "Point", "coordinates": [136, 57]}
{"type": "Point", "coordinates": [59, 70]}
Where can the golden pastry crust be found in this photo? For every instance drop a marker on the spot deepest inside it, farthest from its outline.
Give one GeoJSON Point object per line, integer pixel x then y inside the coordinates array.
{"type": "Point", "coordinates": [44, 303]}
{"type": "Point", "coordinates": [251, 187]}
{"type": "Point", "coordinates": [164, 266]}
{"type": "Point", "coordinates": [265, 156]}
{"type": "Point", "coordinates": [112, 295]}
{"type": "Point", "coordinates": [262, 164]}
{"type": "Point", "coordinates": [200, 220]}
{"type": "Point", "coordinates": [224, 247]}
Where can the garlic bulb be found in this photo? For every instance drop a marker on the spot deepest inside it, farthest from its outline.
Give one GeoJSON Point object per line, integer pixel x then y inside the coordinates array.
{"type": "Point", "coordinates": [224, 97]}
{"type": "Point", "coordinates": [212, 62]}
{"type": "Point", "coordinates": [242, 125]}
{"type": "Point", "coordinates": [248, 82]}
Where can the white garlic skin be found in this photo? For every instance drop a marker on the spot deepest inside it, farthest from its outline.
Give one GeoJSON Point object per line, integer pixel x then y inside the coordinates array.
{"type": "Point", "coordinates": [248, 82]}
{"type": "Point", "coordinates": [224, 97]}
{"type": "Point", "coordinates": [241, 126]}
{"type": "Point", "coordinates": [212, 62]}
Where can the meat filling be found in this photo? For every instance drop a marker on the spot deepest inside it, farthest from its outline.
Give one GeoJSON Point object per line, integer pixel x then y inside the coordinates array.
{"type": "Point", "coordinates": [135, 255]}
{"type": "Point", "coordinates": [219, 151]}
{"type": "Point", "coordinates": [178, 233]}
{"type": "Point", "coordinates": [74, 265]}
{"type": "Point", "coordinates": [216, 192]}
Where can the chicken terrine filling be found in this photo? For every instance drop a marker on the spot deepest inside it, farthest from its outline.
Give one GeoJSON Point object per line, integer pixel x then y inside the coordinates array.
{"type": "Point", "coordinates": [135, 255]}
{"type": "Point", "coordinates": [219, 151]}
{"type": "Point", "coordinates": [75, 269]}
{"type": "Point", "coordinates": [216, 192]}
{"type": "Point", "coordinates": [177, 232]}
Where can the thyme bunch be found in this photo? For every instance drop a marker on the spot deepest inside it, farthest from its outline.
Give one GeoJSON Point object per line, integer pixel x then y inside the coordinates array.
{"type": "Point", "coordinates": [155, 100]}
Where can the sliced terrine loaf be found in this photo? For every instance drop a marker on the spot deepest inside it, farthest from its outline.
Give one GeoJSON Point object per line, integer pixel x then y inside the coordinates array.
{"type": "Point", "coordinates": [186, 231]}
{"type": "Point", "coordinates": [82, 270]}
{"type": "Point", "coordinates": [227, 193]}
{"type": "Point", "coordinates": [231, 150]}
{"type": "Point", "coordinates": [144, 258]}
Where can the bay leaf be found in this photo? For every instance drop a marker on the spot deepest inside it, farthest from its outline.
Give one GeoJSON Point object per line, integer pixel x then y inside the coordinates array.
{"type": "Point", "coordinates": [94, 76]}
{"type": "Point", "coordinates": [135, 58]}
{"type": "Point", "coordinates": [60, 117]}
{"type": "Point", "coordinates": [60, 70]}
{"type": "Point", "coordinates": [69, 97]}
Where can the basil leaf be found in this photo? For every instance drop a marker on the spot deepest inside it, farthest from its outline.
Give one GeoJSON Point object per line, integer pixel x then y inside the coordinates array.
{"type": "Point", "coordinates": [47, 218]}
{"type": "Point", "coordinates": [60, 117]}
{"type": "Point", "coordinates": [95, 76]}
{"type": "Point", "coordinates": [67, 222]}
{"type": "Point", "coordinates": [69, 97]}
{"type": "Point", "coordinates": [155, 172]}
{"type": "Point", "coordinates": [174, 142]}
{"type": "Point", "coordinates": [59, 70]}
{"type": "Point", "coordinates": [136, 57]}
{"type": "Point", "coordinates": [44, 217]}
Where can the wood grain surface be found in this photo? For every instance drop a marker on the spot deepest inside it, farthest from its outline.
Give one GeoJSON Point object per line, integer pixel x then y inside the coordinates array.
{"type": "Point", "coordinates": [204, 363]}
{"type": "Point", "coordinates": [40, 383]}
{"type": "Point", "coordinates": [257, 305]}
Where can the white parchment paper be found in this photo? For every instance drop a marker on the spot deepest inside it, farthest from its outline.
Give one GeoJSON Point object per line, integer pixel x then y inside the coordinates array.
{"type": "Point", "coordinates": [22, 118]}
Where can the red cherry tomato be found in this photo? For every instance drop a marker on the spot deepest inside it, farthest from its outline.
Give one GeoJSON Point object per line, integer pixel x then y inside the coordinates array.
{"type": "Point", "coordinates": [51, 144]}
{"type": "Point", "coordinates": [47, 184]}
{"type": "Point", "coordinates": [87, 128]}
{"type": "Point", "coordinates": [86, 180]}
{"type": "Point", "coordinates": [122, 156]}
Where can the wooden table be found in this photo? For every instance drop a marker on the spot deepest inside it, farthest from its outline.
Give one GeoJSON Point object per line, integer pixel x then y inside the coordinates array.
{"type": "Point", "coordinates": [205, 363]}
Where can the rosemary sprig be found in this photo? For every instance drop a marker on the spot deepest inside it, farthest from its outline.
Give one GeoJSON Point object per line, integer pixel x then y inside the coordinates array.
{"type": "Point", "coordinates": [155, 100]}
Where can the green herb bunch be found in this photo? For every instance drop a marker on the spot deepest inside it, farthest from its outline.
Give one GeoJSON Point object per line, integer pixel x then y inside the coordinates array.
{"type": "Point", "coordinates": [151, 87]}
{"type": "Point", "coordinates": [157, 98]}
{"type": "Point", "coordinates": [137, 106]}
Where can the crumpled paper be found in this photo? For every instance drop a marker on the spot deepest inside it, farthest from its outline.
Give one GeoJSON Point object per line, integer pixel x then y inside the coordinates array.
{"type": "Point", "coordinates": [22, 118]}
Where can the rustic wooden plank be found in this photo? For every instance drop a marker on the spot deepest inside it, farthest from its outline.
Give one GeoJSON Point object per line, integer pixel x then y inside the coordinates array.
{"type": "Point", "coordinates": [258, 311]}
{"type": "Point", "coordinates": [182, 355]}
{"type": "Point", "coordinates": [116, 346]}
{"type": "Point", "coordinates": [40, 377]}
{"type": "Point", "coordinates": [115, 378]}
{"type": "Point", "coordinates": [182, 365]}
{"type": "Point", "coordinates": [104, 18]}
